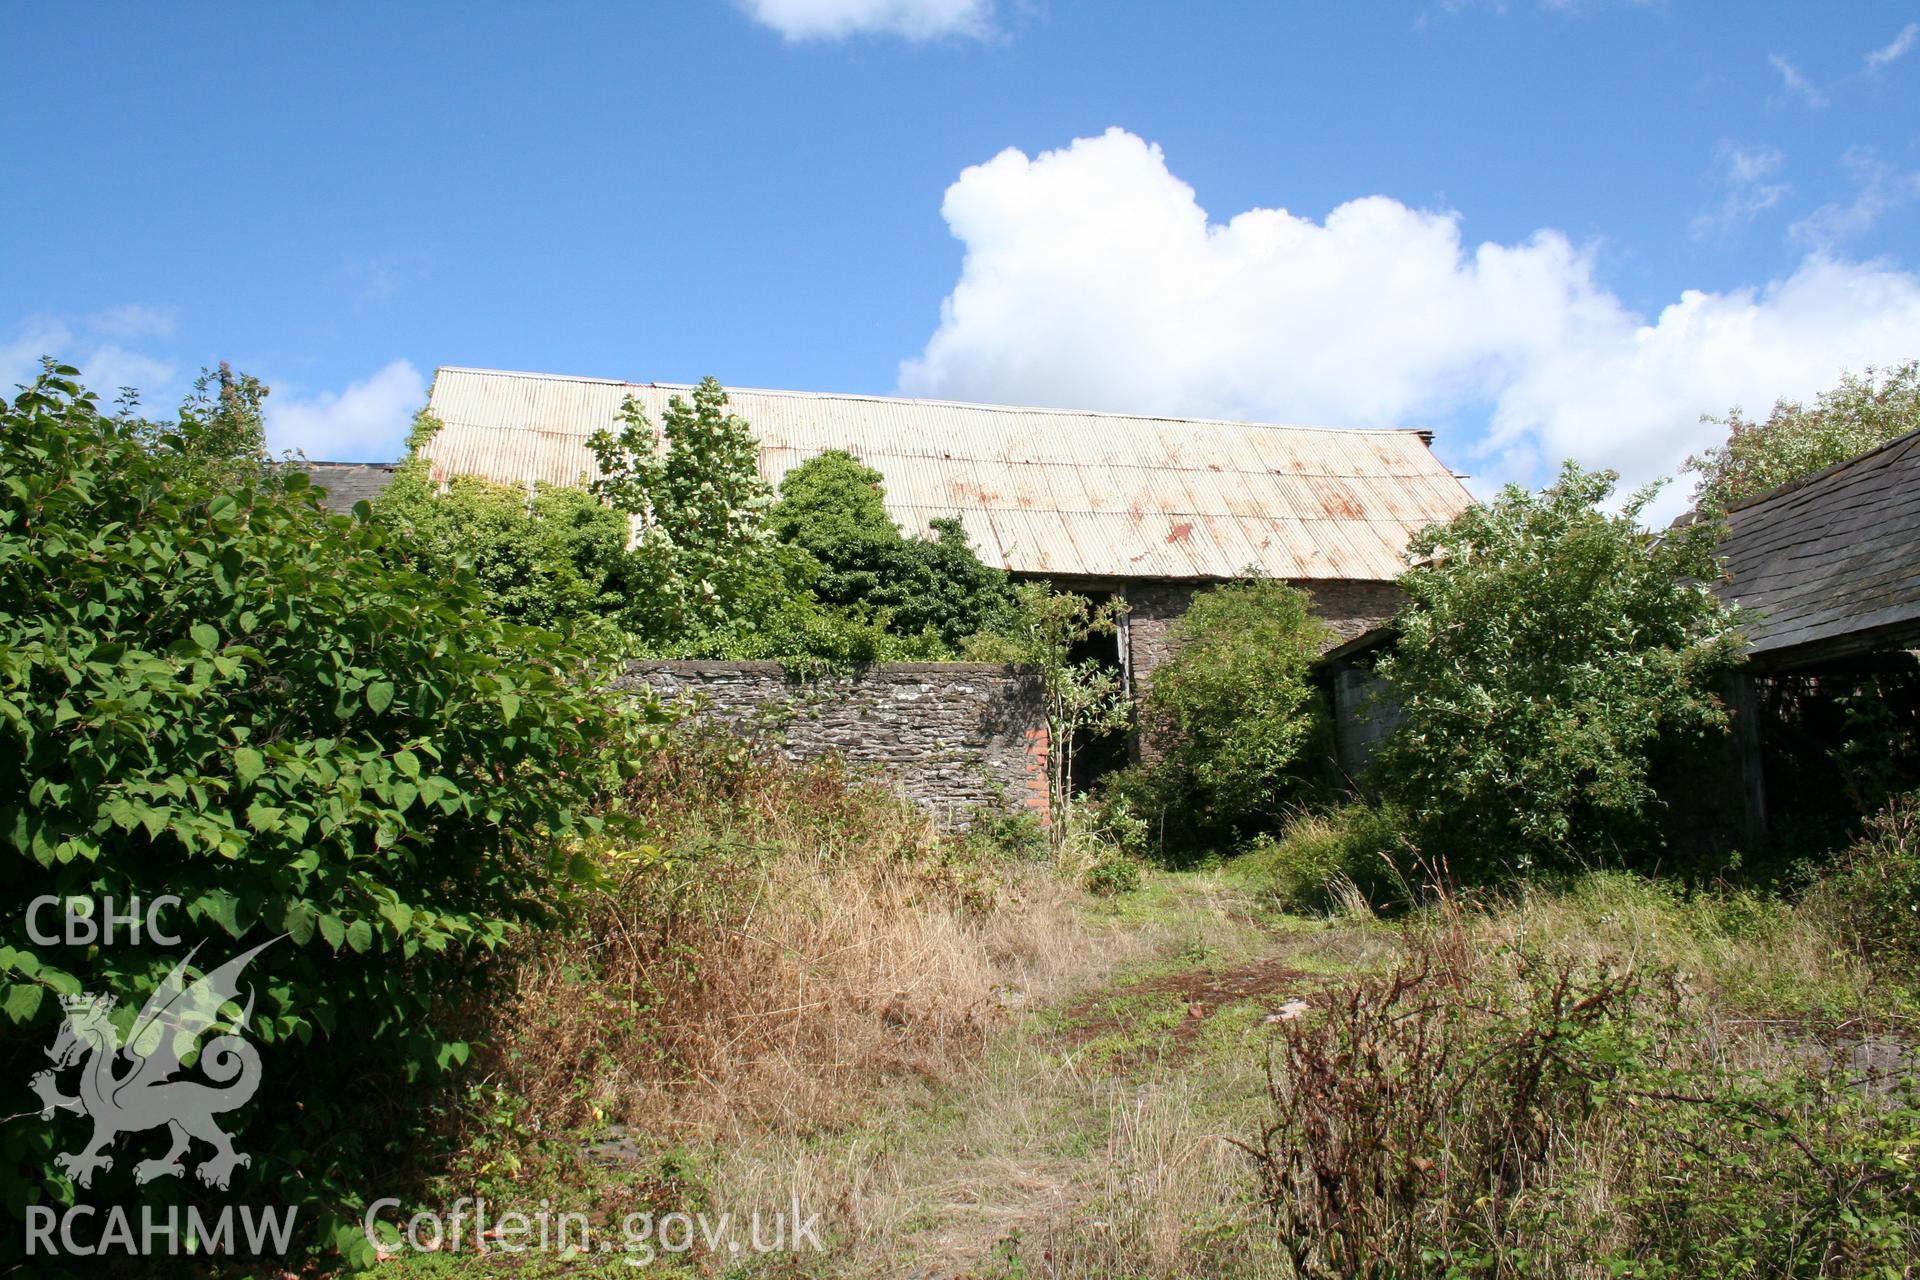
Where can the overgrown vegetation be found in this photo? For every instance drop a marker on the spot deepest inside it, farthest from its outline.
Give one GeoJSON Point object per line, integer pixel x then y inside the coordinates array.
{"type": "Point", "coordinates": [1871, 897]}
{"type": "Point", "coordinates": [1533, 1111]}
{"type": "Point", "coordinates": [1548, 650]}
{"type": "Point", "coordinates": [1237, 733]}
{"type": "Point", "coordinates": [722, 981]}
{"type": "Point", "coordinates": [1796, 441]}
{"type": "Point", "coordinates": [1357, 857]}
{"type": "Point", "coordinates": [676, 548]}
{"type": "Point", "coordinates": [1083, 697]}
{"type": "Point", "coordinates": [213, 689]}
{"type": "Point", "coordinates": [548, 556]}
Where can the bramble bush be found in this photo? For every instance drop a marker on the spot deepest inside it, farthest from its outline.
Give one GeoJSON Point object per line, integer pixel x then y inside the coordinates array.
{"type": "Point", "coordinates": [1549, 650]}
{"type": "Point", "coordinates": [212, 688]}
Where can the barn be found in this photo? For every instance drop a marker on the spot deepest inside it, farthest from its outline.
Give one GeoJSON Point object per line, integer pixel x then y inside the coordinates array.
{"type": "Point", "coordinates": [1150, 509]}
{"type": "Point", "coordinates": [1826, 573]}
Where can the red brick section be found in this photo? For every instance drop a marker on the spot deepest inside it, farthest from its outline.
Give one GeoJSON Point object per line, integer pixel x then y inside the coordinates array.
{"type": "Point", "coordinates": [1037, 772]}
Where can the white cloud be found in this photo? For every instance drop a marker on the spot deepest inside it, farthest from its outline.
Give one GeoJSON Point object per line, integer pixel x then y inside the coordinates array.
{"type": "Point", "coordinates": [20, 354]}
{"type": "Point", "coordinates": [1797, 84]}
{"type": "Point", "coordinates": [105, 366]}
{"type": "Point", "coordinates": [1093, 278]}
{"type": "Point", "coordinates": [109, 368]}
{"type": "Point", "coordinates": [1745, 174]}
{"type": "Point", "coordinates": [1879, 189]}
{"type": "Point", "coordinates": [366, 422]}
{"type": "Point", "coordinates": [133, 320]}
{"type": "Point", "coordinates": [1895, 49]}
{"type": "Point", "coordinates": [837, 19]}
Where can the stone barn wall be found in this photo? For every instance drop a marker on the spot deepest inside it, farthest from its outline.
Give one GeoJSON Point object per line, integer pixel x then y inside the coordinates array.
{"type": "Point", "coordinates": [1365, 714]}
{"type": "Point", "coordinates": [954, 737]}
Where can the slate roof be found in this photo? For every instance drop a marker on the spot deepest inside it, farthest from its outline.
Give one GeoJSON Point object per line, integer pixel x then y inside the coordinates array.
{"type": "Point", "coordinates": [1829, 567]}
{"type": "Point", "coordinates": [1051, 492]}
{"type": "Point", "coordinates": [346, 483]}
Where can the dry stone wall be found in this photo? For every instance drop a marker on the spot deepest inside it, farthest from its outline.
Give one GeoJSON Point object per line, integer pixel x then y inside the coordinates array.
{"type": "Point", "coordinates": [955, 737]}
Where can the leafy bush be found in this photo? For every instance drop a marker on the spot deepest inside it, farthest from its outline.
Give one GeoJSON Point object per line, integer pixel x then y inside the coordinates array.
{"type": "Point", "coordinates": [1232, 712]}
{"type": "Point", "coordinates": [1549, 649]}
{"type": "Point", "coordinates": [1309, 864]}
{"type": "Point", "coordinates": [832, 507]}
{"type": "Point", "coordinates": [546, 557]}
{"type": "Point", "coordinates": [1796, 441]}
{"type": "Point", "coordinates": [221, 692]}
{"type": "Point", "coordinates": [1104, 845]}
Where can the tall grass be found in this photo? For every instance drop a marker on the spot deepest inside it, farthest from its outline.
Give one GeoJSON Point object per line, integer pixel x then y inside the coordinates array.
{"type": "Point", "coordinates": [789, 940]}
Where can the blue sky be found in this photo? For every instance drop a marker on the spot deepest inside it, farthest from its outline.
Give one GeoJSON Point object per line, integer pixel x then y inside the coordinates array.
{"type": "Point", "coordinates": [1543, 228]}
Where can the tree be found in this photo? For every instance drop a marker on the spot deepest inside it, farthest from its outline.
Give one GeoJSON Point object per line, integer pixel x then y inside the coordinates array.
{"type": "Point", "coordinates": [1795, 441]}
{"type": "Point", "coordinates": [1083, 697]}
{"type": "Point", "coordinates": [220, 691]}
{"type": "Point", "coordinates": [833, 508]}
{"type": "Point", "coordinates": [699, 505]}
{"type": "Point", "coordinates": [1547, 647]}
{"type": "Point", "coordinates": [1233, 709]}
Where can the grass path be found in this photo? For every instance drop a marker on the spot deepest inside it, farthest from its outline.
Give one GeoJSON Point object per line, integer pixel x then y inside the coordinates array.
{"type": "Point", "coordinates": [1086, 1139]}
{"type": "Point", "coordinates": [1091, 1136]}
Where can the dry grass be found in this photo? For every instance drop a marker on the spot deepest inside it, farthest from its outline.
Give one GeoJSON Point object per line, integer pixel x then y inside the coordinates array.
{"type": "Point", "coordinates": [790, 944]}
{"type": "Point", "coordinates": [1614, 1073]}
{"type": "Point", "coordinates": [1036, 1156]}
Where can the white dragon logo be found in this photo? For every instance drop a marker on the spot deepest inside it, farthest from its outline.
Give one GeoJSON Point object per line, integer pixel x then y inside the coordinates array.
{"type": "Point", "coordinates": [145, 1095]}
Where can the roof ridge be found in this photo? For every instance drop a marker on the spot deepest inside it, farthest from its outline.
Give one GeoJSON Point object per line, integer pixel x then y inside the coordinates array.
{"type": "Point", "coordinates": [1423, 432]}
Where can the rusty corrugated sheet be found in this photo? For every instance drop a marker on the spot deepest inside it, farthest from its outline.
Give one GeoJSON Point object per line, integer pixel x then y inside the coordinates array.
{"type": "Point", "coordinates": [1042, 491]}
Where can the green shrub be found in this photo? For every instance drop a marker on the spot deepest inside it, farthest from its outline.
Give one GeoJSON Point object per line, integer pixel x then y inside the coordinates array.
{"type": "Point", "coordinates": [1307, 866]}
{"type": "Point", "coordinates": [1232, 711]}
{"type": "Point", "coordinates": [1104, 845]}
{"type": "Point", "coordinates": [1113, 873]}
{"type": "Point", "coordinates": [546, 557]}
{"type": "Point", "coordinates": [211, 688]}
{"type": "Point", "coordinates": [1549, 651]}
{"type": "Point", "coordinates": [832, 507]}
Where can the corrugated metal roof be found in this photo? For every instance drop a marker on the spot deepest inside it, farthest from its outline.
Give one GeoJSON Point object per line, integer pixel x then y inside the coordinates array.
{"type": "Point", "coordinates": [1041, 491]}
